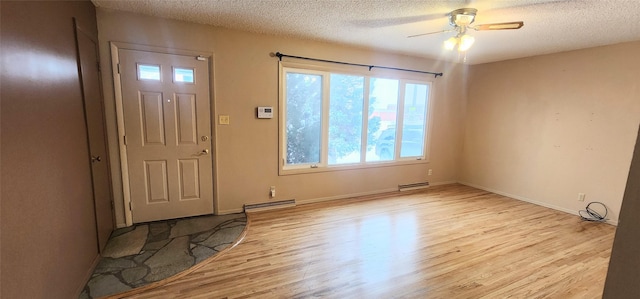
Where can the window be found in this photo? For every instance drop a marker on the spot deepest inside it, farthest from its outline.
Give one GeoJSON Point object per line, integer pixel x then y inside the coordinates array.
{"type": "Point", "coordinates": [346, 101]}
{"type": "Point", "coordinates": [148, 72]}
{"type": "Point", "coordinates": [383, 104]}
{"type": "Point", "coordinates": [336, 119]}
{"type": "Point", "coordinates": [183, 75]}
{"type": "Point", "coordinates": [414, 120]}
{"type": "Point", "coordinates": [303, 118]}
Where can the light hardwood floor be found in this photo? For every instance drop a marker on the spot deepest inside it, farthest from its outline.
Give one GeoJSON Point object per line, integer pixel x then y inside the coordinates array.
{"type": "Point", "coordinates": [445, 242]}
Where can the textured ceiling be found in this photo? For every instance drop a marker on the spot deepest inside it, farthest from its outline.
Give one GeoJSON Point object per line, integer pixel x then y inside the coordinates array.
{"type": "Point", "coordinates": [549, 26]}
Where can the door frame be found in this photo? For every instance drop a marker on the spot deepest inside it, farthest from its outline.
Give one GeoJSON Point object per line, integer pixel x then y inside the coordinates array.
{"type": "Point", "coordinates": [122, 149]}
{"type": "Point", "coordinates": [80, 31]}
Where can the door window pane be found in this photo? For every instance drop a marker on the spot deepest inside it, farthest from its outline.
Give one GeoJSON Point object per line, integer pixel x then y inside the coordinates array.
{"type": "Point", "coordinates": [303, 118]}
{"type": "Point", "coordinates": [148, 72]}
{"type": "Point", "coordinates": [345, 118]}
{"type": "Point", "coordinates": [183, 75]}
{"type": "Point", "coordinates": [414, 120]}
{"type": "Point", "coordinates": [381, 130]}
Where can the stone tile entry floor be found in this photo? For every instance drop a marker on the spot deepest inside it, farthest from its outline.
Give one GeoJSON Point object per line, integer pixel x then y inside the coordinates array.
{"type": "Point", "coordinates": [149, 252]}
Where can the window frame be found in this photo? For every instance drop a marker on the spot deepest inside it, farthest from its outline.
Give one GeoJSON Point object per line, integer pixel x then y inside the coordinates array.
{"type": "Point", "coordinates": [325, 71]}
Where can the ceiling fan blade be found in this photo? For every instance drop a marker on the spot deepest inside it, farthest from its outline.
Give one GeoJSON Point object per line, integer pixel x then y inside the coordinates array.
{"type": "Point", "coordinates": [499, 26]}
{"type": "Point", "coordinates": [376, 23]}
{"type": "Point", "coordinates": [497, 6]}
{"type": "Point", "coordinates": [429, 33]}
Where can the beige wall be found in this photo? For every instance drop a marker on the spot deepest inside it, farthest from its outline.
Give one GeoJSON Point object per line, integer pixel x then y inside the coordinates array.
{"type": "Point", "coordinates": [245, 76]}
{"type": "Point", "coordinates": [49, 241]}
{"type": "Point", "coordinates": [546, 128]}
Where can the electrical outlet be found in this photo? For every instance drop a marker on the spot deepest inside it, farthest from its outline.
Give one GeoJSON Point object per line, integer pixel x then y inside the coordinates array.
{"type": "Point", "coordinates": [430, 172]}
{"type": "Point", "coordinates": [581, 196]}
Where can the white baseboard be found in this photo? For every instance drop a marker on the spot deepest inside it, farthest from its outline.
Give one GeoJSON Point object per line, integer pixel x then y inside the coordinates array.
{"type": "Point", "coordinates": [230, 211]}
{"type": "Point", "coordinates": [525, 199]}
{"type": "Point", "coordinates": [444, 183]}
{"type": "Point", "coordinates": [321, 199]}
{"type": "Point", "coordinates": [87, 275]}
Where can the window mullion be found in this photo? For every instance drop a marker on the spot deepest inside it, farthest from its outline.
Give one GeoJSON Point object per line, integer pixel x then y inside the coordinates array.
{"type": "Point", "coordinates": [365, 120]}
{"type": "Point", "coordinates": [400, 118]}
{"type": "Point", "coordinates": [324, 150]}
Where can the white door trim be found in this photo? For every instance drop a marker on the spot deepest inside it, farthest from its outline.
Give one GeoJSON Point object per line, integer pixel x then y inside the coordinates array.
{"type": "Point", "coordinates": [117, 84]}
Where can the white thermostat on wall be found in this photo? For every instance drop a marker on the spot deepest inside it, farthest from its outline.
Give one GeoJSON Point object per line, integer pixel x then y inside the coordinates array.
{"type": "Point", "coordinates": [265, 112]}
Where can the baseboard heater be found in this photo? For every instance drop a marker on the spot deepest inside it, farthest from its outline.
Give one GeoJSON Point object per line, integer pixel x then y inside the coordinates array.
{"type": "Point", "coordinates": [270, 205]}
{"type": "Point", "coordinates": [414, 186]}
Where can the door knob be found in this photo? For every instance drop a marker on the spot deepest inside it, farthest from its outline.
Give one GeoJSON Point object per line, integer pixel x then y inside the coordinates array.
{"type": "Point", "coordinates": [205, 151]}
{"type": "Point", "coordinates": [95, 159]}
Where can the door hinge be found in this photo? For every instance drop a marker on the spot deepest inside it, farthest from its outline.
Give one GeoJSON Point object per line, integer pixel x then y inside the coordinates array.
{"type": "Point", "coordinates": [118, 67]}
{"type": "Point", "coordinates": [98, 66]}
{"type": "Point", "coordinates": [113, 206]}
{"type": "Point", "coordinates": [124, 139]}
{"type": "Point", "coordinates": [130, 207]}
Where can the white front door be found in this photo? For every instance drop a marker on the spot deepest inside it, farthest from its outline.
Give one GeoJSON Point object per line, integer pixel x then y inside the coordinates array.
{"type": "Point", "coordinates": [167, 134]}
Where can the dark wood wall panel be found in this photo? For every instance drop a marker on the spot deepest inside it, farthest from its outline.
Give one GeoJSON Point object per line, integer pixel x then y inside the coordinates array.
{"type": "Point", "coordinates": [623, 278]}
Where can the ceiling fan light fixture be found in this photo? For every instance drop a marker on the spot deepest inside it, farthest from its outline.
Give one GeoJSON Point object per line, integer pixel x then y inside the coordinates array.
{"type": "Point", "coordinates": [464, 20]}
{"type": "Point", "coordinates": [466, 41]}
{"type": "Point", "coordinates": [463, 42]}
{"type": "Point", "coordinates": [462, 16]}
{"type": "Point", "coordinates": [461, 20]}
{"type": "Point", "coordinates": [451, 43]}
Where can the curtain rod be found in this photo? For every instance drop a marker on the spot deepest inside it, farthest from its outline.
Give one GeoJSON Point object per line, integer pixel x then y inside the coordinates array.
{"type": "Point", "coordinates": [280, 55]}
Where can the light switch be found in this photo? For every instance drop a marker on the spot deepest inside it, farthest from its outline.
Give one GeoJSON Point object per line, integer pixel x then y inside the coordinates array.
{"type": "Point", "coordinates": [223, 119]}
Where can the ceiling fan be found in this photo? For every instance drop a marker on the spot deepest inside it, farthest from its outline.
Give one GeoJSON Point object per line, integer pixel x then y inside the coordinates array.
{"type": "Point", "coordinates": [461, 20]}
